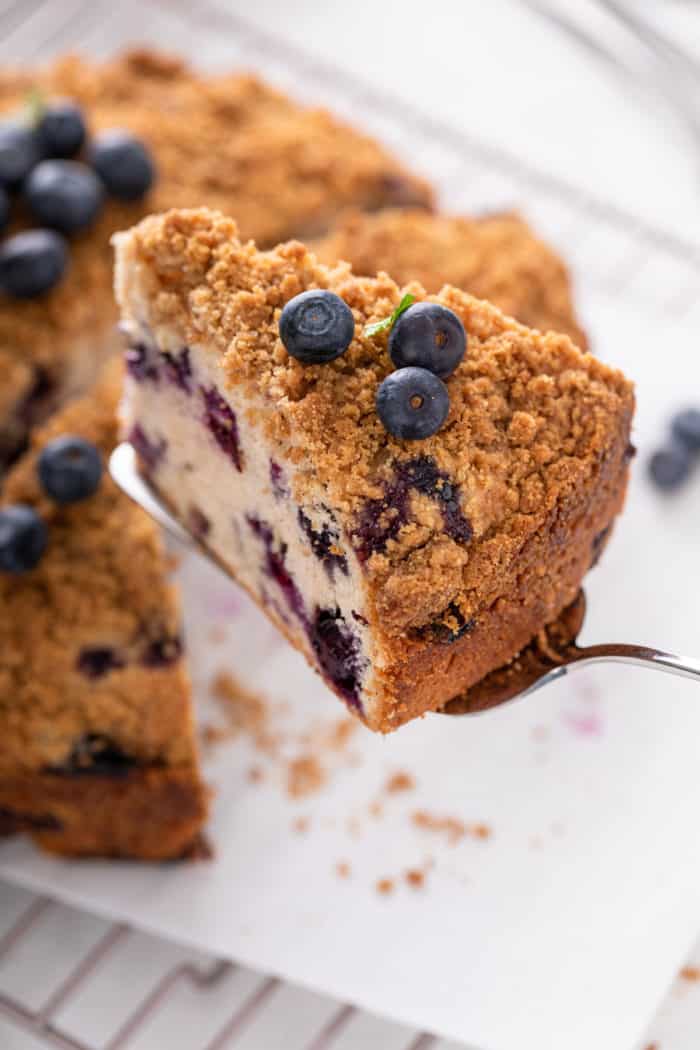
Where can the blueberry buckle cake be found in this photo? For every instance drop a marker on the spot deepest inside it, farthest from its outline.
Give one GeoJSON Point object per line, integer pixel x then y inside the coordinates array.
{"type": "Point", "coordinates": [407, 550]}
{"type": "Point", "coordinates": [98, 753]}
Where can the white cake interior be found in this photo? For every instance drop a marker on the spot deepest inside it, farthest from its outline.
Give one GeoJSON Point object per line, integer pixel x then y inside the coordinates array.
{"type": "Point", "coordinates": [232, 489]}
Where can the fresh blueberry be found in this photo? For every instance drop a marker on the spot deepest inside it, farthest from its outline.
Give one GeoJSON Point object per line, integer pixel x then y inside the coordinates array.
{"type": "Point", "coordinates": [686, 429]}
{"type": "Point", "coordinates": [69, 469]}
{"type": "Point", "coordinates": [23, 538]}
{"type": "Point", "coordinates": [412, 403]}
{"type": "Point", "coordinates": [64, 194]}
{"type": "Point", "coordinates": [61, 129]}
{"type": "Point", "coordinates": [669, 467]}
{"type": "Point", "coordinates": [430, 336]}
{"type": "Point", "coordinates": [4, 209]}
{"type": "Point", "coordinates": [32, 262]}
{"type": "Point", "coordinates": [19, 153]}
{"type": "Point", "coordinates": [316, 326]}
{"type": "Point", "coordinates": [98, 661]}
{"type": "Point", "coordinates": [123, 163]}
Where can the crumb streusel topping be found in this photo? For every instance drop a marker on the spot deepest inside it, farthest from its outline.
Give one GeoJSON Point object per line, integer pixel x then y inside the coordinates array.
{"type": "Point", "coordinates": [494, 257]}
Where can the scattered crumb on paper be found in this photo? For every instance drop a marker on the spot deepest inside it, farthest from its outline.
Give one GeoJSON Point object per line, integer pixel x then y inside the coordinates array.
{"type": "Point", "coordinates": [399, 781]}
{"type": "Point", "coordinates": [454, 828]}
{"type": "Point", "coordinates": [245, 710]}
{"type": "Point", "coordinates": [385, 886]}
{"type": "Point", "coordinates": [415, 878]}
{"type": "Point", "coordinates": [305, 776]}
{"type": "Point", "coordinates": [342, 869]}
{"type": "Point", "coordinates": [690, 973]}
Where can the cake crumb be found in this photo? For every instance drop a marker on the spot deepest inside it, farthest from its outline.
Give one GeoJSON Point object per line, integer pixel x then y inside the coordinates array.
{"type": "Point", "coordinates": [305, 776]}
{"type": "Point", "coordinates": [301, 825]}
{"type": "Point", "coordinates": [212, 734]}
{"type": "Point", "coordinates": [690, 973]}
{"type": "Point", "coordinates": [454, 828]}
{"type": "Point", "coordinates": [255, 775]}
{"type": "Point", "coordinates": [342, 869]}
{"type": "Point", "coordinates": [415, 878]}
{"type": "Point", "coordinates": [385, 886]}
{"type": "Point", "coordinates": [340, 732]}
{"type": "Point", "coordinates": [480, 831]}
{"type": "Point", "coordinates": [399, 781]}
{"type": "Point", "coordinates": [376, 810]}
{"type": "Point", "coordinates": [245, 710]}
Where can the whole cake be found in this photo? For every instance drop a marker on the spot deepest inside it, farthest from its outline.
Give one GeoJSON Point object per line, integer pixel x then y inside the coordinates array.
{"type": "Point", "coordinates": [98, 753]}
{"type": "Point", "coordinates": [408, 533]}
{"type": "Point", "coordinates": [496, 257]}
{"type": "Point", "coordinates": [230, 141]}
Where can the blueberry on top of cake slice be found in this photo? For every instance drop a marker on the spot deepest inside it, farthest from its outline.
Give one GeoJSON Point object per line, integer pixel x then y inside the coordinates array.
{"type": "Point", "coordinates": [98, 752]}
{"type": "Point", "coordinates": [157, 135]}
{"type": "Point", "coordinates": [405, 555]}
{"type": "Point", "coordinates": [495, 257]}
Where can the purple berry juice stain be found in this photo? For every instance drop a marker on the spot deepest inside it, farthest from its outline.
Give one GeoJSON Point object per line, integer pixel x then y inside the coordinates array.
{"type": "Point", "coordinates": [221, 421]}
{"type": "Point", "coordinates": [178, 368]}
{"type": "Point", "coordinates": [140, 365]}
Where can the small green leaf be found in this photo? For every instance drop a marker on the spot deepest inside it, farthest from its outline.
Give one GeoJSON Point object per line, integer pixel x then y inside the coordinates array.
{"type": "Point", "coordinates": [388, 322]}
{"type": "Point", "coordinates": [35, 105]}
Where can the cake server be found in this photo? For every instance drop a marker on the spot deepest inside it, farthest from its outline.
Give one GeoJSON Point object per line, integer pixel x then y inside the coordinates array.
{"type": "Point", "coordinates": [546, 660]}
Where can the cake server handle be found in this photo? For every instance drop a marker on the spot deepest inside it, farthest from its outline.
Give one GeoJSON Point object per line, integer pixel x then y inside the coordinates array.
{"type": "Point", "coordinates": [531, 678]}
{"type": "Point", "coordinates": [620, 653]}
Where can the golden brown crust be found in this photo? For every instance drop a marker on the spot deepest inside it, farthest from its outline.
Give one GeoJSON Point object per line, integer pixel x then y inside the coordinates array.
{"type": "Point", "coordinates": [102, 584]}
{"type": "Point", "coordinates": [548, 576]}
{"type": "Point", "coordinates": [496, 257]}
{"type": "Point", "coordinates": [151, 813]}
{"type": "Point", "coordinates": [230, 141]}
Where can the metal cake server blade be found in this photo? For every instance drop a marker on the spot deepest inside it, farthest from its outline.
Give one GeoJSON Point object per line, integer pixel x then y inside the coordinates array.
{"type": "Point", "coordinates": [547, 659]}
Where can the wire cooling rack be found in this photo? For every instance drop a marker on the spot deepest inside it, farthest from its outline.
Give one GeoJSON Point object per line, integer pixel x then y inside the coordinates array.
{"type": "Point", "coordinates": [73, 981]}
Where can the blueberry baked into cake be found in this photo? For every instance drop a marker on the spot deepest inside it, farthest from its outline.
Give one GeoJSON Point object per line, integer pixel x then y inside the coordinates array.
{"type": "Point", "coordinates": [98, 752]}
{"type": "Point", "coordinates": [495, 257]}
{"type": "Point", "coordinates": [411, 486]}
{"type": "Point", "coordinates": [87, 149]}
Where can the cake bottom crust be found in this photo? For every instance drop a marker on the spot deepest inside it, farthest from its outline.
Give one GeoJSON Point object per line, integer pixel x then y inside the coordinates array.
{"type": "Point", "coordinates": [150, 813]}
{"type": "Point", "coordinates": [424, 678]}
{"type": "Point", "coordinates": [547, 650]}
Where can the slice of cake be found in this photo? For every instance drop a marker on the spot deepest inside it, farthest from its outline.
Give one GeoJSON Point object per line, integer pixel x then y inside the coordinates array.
{"type": "Point", "coordinates": [284, 169]}
{"type": "Point", "coordinates": [405, 570]}
{"type": "Point", "coordinates": [97, 745]}
{"type": "Point", "coordinates": [496, 257]}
